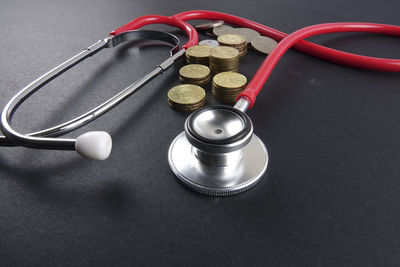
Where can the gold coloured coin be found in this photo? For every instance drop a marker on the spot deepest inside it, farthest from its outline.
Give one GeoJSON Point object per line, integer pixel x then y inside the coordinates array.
{"type": "Point", "coordinates": [181, 107]}
{"type": "Point", "coordinates": [231, 39]}
{"type": "Point", "coordinates": [198, 82]}
{"type": "Point", "coordinates": [226, 86]}
{"type": "Point", "coordinates": [234, 40]}
{"type": "Point", "coordinates": [198, 54]}
{"type": "Point", "coordinates": [230, 80]}
{"type": "Point", "coordinates": [194, 74]}
{"type": "Point", "coordinates": [186, 107]}
{"type": "Point", "coordinates": [224, 52]}
{"type": "Point", "coordinates": [186, 94]}
{"type": "Point", "coordinates": [198, 51]}
{"type": "Point", "coordinates": [224, 58]}
{"type": "Point", "coordinates": [194, 71]}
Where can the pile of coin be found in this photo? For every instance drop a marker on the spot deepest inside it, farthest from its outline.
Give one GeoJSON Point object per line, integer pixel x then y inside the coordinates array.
{"type": "Point", "coordinates": [186, 97]}
{"type": "Point", "coordinates": [226, 86]}
{"type": "Point", "coordinates": [194, 74]}
{"type": "Point", "coordinates": [198, 54]}
{"type": "Point", "coordinates": [234, 40]}
{"type": "Point", "coordinates": [224, 58]}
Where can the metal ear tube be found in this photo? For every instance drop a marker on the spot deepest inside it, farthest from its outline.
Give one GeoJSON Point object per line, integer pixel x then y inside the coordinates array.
{"type": "Point", "coordinates": [96, 144]}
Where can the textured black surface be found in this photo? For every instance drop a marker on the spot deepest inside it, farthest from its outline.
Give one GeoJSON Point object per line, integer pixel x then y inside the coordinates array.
{"type": "Point", "coordinates": [332, 190]}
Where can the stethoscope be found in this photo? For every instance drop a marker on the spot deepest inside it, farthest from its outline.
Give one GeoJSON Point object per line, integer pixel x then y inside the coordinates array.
{"type": "Point", "coordinates": [217, 153]}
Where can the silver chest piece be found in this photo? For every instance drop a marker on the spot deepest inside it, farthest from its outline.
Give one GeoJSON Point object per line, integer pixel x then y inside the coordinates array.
{"type": "Point", "coordinates": [218, 154]}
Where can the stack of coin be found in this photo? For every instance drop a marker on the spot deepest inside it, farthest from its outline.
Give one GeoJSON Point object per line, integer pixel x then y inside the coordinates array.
{"type": "Point", "coordinates": [224, 58]}
{"type": "Point", "coordinates": [226, 86]}
{"type": "Point", "coordinates": [194, 74]}
{"type": "Point", "coordinates": [237, 41]}
{"type": "Point", "coordinates": [186, 97]}
{"type": "Point", "coordinates": [198, 54]}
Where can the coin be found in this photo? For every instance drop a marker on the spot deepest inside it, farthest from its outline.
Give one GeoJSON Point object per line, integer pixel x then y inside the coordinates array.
{"type": "Point", "coordinates": [224, 52]}
{"type": "Point", "coordinates": [194, 71]}
{"type": "Point", "coordinates": [199, 51]}
{"type": "Point", "coordinates": [209, 42]}
{"type": "Point", "coordinates": [223, 29]}
{"type": "Point", "coordinates": [249, 34]}
{"type": "Point", "coordinates": [263, 44]}
{"type": "Point", "coordinates": [230, 80]}
{"type": "Point", "coordinates": [224, 58]}
{"type": "Point", "coordinates": [209, 25]}
{"type": "Point", "coordinates": [186, 94]}
{"type": "Point", "coordinates": [186, 107]}
{"type": "Point", "coordinates": [231, 39]}
{"type": "Point", "coordinates": [226, 86]}
{"type": "Point", "coordinates": [198, 54]}
{"type": "Point", "coordinates": [197, 82]}
{"type": "Point", "coordinates": [194, 74]}
{"type": "Point", "coordinates": [182, 106]}
{"type": "Point", "coordinates": [234, 40]}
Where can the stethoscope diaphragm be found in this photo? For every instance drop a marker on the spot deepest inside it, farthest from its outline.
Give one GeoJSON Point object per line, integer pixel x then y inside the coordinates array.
{"type": "Point", "coordinates": [218, 154]}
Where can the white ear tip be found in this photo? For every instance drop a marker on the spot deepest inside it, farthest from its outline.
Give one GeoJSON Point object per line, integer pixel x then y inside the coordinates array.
{"type": "Point", "coordinates": [94, 145]}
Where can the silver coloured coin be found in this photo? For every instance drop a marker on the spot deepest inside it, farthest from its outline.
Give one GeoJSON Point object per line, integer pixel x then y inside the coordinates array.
{"type": "Point", "coordinates": [209, 25]}
{"type": "Point", "coordinates": [263, 44]}
{"type": "Point", "coordinates": [223, 29]}
{"type": "Point", "coordinates": [209, 42]}
{"type": "Point", "coordinates": [249, 34]}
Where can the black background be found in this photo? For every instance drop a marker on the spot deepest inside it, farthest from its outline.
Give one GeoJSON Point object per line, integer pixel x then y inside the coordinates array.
{"type": "Point", "coordinates": [331, 193]}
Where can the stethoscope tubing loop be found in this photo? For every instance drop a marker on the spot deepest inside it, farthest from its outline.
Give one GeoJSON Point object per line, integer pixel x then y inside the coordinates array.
{"type": "Point", "coordinates": [295, 40]}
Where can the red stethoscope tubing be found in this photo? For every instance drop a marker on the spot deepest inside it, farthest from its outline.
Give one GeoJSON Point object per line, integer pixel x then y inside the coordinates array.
{"type": "Point", "coordinates": [286, 41]}
{"type": "Point", "coordinates": [261, 76]}
{"type": "Point", "coordinates": [156, 19]}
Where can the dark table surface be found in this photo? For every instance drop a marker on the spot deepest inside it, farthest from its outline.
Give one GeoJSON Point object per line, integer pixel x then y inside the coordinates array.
{"type": "Point", "coordinates": [332, 189]}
